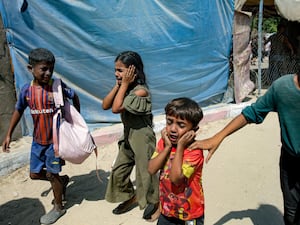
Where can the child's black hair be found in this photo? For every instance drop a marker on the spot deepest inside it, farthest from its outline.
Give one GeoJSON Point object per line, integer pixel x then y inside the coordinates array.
{"type": "Point", "coordinates": [40, 55]}
{"type": "Point", "coordinates": [132, 58]}
{"type": "Point", "coordinates": [185, 108]}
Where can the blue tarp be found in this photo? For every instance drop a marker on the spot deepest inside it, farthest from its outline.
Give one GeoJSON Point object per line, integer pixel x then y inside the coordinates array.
{"type": "Point", "coordinates": [185, 46]}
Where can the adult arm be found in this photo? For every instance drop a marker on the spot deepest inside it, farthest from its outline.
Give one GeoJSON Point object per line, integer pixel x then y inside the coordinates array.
{"type": "Point", "coordinates": [13, 123]}
{"type": "Point", "coordinates": [211, 144]}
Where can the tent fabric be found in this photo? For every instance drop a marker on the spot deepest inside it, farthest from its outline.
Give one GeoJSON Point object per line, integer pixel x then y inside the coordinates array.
{"type": "Point", "coordinates": [241, 55]}
{"type": "Point", "coordinates": [185, 47]}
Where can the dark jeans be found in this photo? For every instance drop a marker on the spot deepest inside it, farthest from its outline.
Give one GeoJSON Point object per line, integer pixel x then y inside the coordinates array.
{"type": "Point", "coordinates": [290, 186]}
{"type": "Point", "coordinates": [164, 220]}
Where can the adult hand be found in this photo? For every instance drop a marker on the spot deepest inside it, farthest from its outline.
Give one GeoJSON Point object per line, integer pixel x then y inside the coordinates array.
{"type": "Point", "coordinates": [210, 144]}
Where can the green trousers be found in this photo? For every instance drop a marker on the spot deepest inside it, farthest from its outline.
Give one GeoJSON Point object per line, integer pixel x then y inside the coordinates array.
{"type": "Point", "coordinates": [135, 153]}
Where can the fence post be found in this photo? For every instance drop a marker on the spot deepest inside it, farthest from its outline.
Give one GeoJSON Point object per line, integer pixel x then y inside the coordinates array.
{"type": "Point", "coordinates": [259, 39]}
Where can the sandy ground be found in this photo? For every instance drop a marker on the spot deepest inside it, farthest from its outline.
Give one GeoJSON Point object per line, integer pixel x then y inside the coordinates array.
{"type": "Point", "coordinates": [241, 184]}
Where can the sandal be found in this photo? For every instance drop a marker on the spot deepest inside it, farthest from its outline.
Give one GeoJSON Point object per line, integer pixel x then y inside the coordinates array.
{"type": "Point", "coordinates": [126, 206]}
{"type": "Point", "coordinates": [52, 216]}
{"type": "Point", "coordinates": [150, 210]}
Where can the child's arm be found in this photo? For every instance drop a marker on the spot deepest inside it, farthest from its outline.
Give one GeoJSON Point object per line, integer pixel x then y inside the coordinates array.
{"type": "Point", "coordinates": [70, 94]}
{"type": "Point", "coordinates": [109, 98]}
{"type": "Point", "coordinates": [13, 123]}
{"type": "Point", "coordinates": [176, 175]}
{"type": "Point", "coordinates": [117, 105]}
{"type": "Point", "coordinates": [159, 161]}
{"type": "Point", "coordinates": [155, 164]}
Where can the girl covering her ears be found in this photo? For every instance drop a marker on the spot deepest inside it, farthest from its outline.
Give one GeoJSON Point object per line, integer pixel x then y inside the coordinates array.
{"type": "Point", "coordinates": [131, 98]}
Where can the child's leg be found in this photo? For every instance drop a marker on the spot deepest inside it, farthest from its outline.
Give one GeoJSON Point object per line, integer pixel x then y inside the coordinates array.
{"type": "Point", "coordinates": [120, 187]}
{"type": "Point", "coordinates": [45, 166]}
{"type": "Point", "coordinates": [143, 146]}
{"type": "Point", "coordinates": [38, 176]}
{"type": "Point", "coordinates": [57, 211]}
{"type": "Point", "coordinates": [57, 188]}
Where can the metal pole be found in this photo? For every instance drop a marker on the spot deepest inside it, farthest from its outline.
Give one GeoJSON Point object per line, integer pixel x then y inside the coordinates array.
{"type": "Point", "coordinates": [260, 17]}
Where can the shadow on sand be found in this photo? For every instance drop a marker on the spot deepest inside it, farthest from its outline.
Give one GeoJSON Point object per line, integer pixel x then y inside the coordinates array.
{"type": "Point", "coordinates": [21, 211]}
{"type": "Point", "coordinates": [27, 211]}
{"type": "Point", "coordinates": [84, 187]}
{"type": "Point", "coordinates": [264, 214]}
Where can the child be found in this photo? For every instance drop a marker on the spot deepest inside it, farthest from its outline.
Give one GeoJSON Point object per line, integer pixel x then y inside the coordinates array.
{"type": "Point", "coordinates": [181, 193]}
{"type": "Point", "coordinates": [282, 97]}
{"type": "Point", "coordinates": [38, 96]}
{"type": "Point", "coordinates": [131, 98]}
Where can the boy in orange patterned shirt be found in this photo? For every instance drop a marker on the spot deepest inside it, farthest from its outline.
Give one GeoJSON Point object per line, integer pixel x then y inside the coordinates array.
{"type": "Point", "coordinates": [181, 193]}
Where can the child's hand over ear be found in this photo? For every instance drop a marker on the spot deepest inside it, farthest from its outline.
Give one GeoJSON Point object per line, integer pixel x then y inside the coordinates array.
{"type": "Point", "coordinates": [129, 75]}
{"type": "Point", "coordinates": [187, 139]}
{"type": "Point", "coordinates": [166, 139]}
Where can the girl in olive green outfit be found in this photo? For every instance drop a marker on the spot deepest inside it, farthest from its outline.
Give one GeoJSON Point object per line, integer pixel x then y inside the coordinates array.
{"type": "Point", "coordinates": [131, 98]}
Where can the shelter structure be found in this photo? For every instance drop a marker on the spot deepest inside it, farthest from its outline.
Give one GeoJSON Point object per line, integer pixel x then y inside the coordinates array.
{"type": "Point", "coordinates": [251, 58]}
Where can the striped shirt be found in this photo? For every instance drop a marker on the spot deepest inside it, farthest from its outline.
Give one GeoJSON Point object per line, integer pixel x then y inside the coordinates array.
{"type": "Point", "coordinates": [40, 101]}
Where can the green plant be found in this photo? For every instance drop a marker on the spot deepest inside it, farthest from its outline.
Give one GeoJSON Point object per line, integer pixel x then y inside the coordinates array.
{"type": "Point", "coordinates": [269, 25]}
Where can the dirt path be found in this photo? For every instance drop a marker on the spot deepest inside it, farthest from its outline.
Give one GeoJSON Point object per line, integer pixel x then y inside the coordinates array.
{"type": "Point", "coordinates": [241, 184]}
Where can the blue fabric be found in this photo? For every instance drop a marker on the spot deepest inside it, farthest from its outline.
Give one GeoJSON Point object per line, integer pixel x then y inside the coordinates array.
{"type": "Point", "coordinates": [185, 46]}
{"type": "Point", "coordinates": [42, 156]}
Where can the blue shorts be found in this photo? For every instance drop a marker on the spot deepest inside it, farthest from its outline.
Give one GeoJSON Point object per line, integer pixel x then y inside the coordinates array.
{"type": "Point", "coordinates": [42, 157]}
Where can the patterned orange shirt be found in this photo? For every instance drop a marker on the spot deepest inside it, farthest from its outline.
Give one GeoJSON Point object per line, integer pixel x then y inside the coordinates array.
{"type": "Point", "coordinates": [186, 200]}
